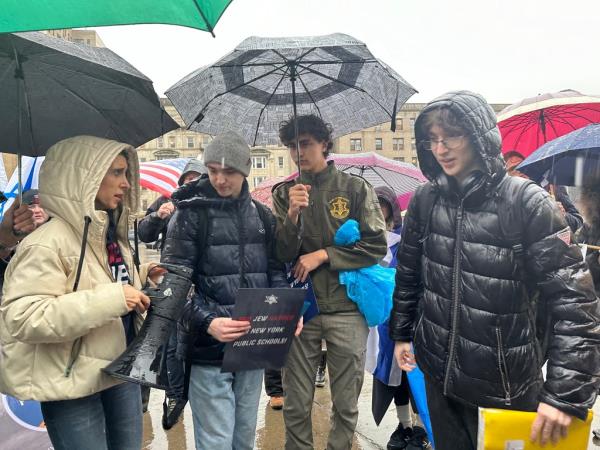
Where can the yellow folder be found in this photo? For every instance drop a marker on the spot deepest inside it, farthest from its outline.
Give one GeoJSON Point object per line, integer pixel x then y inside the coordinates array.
{"type": "Point", "coordinates": [503, 429]}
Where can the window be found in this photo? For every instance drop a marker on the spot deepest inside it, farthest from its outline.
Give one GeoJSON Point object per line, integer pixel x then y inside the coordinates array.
{"type": "Point", "coordinates": [355, 145]}
{"type": "Point", "coordinates": [413, 145]}
{"type": "Point", "coordinates": [259, 162]}
{"type": "Point", "coordinates": [412, 123]}
{"type": "Point", "coordinates": [399, 158]}
{"type": "Point", "coordinates": [190, 142]}
{"type": "Point", "coordinates": [160, 142]}
{"type": "Point", "coordinates": [171, 141]}
{"type": "Point", "coordinates": [144, 204]}
{"type": "Point", "coordinates": [258, 180]}
{"type": "Point", "coordinates": [205, 139]}
{"type": "Point", "coordinates": [142, 159]}
{"type": "Point", "coordinates": [397, 143]}
{"type": "Point", "coordinates": [378, 144]}
{"type": "Point", "coordinates": [399, 124]}
{"type": "Point", "coordinates": [415, 161]}
{"type": "Point", "coordinates": [280, 162]}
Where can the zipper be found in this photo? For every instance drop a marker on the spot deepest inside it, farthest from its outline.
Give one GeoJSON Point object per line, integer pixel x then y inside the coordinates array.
{"type": "Point", "coordinates": [503, 367]}
{"type": "Point", "coordinates": [455, 294]}
{"type": "Point", "coordinates": [75, 349]}
{"type": "Point", "coordinates": [242, 247]}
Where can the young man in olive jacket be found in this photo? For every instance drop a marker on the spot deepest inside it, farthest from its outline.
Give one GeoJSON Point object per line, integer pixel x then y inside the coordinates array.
{"type": "Point", "coordinates": [309, 210]}
{"type": "Point", "coordinates": [477, 247]}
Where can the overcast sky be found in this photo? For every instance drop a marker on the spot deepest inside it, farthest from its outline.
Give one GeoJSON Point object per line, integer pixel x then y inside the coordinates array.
{"type": "Point", "coordinates": [505, 50]}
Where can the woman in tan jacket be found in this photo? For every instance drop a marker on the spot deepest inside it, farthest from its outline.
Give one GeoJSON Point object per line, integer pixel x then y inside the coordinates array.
{"type": "Point", "coordinates": [72, 300]}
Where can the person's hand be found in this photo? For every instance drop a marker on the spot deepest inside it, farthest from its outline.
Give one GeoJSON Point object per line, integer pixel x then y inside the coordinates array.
{"type": "Point", "coordinates": [298, 199]}
{"type": "Point", "coordinates": [299, 327]}
{"type": "Point", "coordinates": [549, 424]}
{"type": "Point", "coordinates": [404, 356]}
{"type": "Point", "coordinates": [560, 206]}
{"type": "Point", "coordinates": [135, 299]}
{"type": "Point", "coordinates": [307, 263]}
{"type": "Point", "coordinates": [18, 221]}
{"type": "Point", "coordinates": [166, 210]}
{"type": "Point", "coordinates": [155, 273]}
{"type": "Point", "coordinates": [225, 329]}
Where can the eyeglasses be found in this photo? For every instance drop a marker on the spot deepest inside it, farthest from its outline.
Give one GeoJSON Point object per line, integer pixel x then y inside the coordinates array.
{"type": "Point", "coordinates": [451, 143]}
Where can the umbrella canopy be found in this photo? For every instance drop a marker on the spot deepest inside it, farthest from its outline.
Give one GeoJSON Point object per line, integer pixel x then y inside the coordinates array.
{"type": "Point", "coordinates": [567, 159]}
{"type": "Point", "coordinates": [52, 89]}
{"type": "Point", "coordinates": [403, 178]}
{"type": "Point", "coordinates": [530, 123]}
{"type": "Point", "coordinates": [265, 81]}
{"type": "Point", "coordinates": [32, 15]}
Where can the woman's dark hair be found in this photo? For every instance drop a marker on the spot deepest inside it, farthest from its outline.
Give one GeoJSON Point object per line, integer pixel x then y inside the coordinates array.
{"type": "Point", "coordinates": [444, 118]}
{"type": "Point", "coordinates": [307, 124]}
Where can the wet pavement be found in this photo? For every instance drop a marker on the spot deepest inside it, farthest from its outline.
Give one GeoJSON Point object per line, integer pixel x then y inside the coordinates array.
{"type": "Point", "coordinates": [270, 430]}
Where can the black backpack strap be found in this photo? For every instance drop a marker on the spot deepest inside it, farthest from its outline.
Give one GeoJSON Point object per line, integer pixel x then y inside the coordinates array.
{"type": "Point", "coordinates": [427, 198]}
{"type": "Point", "coordinates": [511, 192]}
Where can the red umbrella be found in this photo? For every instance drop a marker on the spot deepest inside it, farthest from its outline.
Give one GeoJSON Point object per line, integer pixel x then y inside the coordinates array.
{"type": "Point", "coordinates": [527, 125]}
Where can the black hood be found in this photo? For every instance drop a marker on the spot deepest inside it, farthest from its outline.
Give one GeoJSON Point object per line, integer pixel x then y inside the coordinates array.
{"type": "Point", "coordinates": [201, 193]}
{"type": "Point", "coordinates": [479, 120]}
{"type": "Point", "coordinates": [390, 197]}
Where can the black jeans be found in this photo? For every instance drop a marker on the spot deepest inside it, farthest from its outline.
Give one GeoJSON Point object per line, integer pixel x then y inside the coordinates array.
{"type": "Point", "coordinates": [273, 385]}
{"type": "Point", "coordinates": [454, 423]}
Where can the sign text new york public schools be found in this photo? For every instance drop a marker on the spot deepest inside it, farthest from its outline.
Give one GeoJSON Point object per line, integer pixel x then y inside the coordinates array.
{"type": "Point", "coordinates": [273, 315]}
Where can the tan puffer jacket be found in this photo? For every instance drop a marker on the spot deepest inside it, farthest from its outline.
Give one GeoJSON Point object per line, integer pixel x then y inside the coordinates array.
{"type": "Point", "coordinates": [55, 341]}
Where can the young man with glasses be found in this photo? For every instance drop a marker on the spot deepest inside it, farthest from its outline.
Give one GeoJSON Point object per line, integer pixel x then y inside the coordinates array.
{"type": "Point", "coordinates": [309, 210]}
{"type": "Point", "coordinates": [476, 247]}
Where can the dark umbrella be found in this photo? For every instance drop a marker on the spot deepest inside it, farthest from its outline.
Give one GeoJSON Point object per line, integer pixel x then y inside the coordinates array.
{"type": "Point", "coordinates": [52, 89]}
{"type": "Point", "coordinates": [567, 159]}
{"type": "Point", "coordinates": [265, 81]}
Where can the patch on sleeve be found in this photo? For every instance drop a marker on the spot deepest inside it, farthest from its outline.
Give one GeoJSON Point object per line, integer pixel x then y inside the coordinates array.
{"type": "Point", "coordinates": [565, 236]}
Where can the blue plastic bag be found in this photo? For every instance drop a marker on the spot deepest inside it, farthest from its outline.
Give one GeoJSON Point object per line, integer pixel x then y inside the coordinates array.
{"type": "Point", "coordinates": [371, 288]}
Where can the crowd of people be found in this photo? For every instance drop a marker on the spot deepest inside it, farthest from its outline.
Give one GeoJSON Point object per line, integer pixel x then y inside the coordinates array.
{"type": "Point", "coordinates": [491, 285]}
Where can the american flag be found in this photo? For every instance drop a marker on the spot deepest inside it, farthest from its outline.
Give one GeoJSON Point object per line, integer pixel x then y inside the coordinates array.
{"type": "Point", "coordinates": [162, 175]}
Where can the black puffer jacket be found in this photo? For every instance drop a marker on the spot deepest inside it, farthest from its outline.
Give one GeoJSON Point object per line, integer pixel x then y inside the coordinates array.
{"type": "Point", "coordinates": [226, 243]}
{"type": "Point", "coordinates": [459, 291]}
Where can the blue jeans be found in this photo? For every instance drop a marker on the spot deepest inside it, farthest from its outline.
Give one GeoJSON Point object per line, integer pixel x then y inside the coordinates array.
{"type": "Point", "coordinates": [108, 420]}
{"type": "Point", "coordinates": [224, 407]}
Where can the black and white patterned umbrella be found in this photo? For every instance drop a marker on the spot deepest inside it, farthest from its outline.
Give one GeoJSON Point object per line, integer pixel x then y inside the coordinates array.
{"type": "Point", "coordinates": [265, 81]}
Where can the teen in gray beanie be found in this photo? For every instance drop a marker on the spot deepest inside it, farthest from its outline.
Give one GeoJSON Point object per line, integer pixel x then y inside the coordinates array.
{"type": "Point", "coordinates": [229, 149]}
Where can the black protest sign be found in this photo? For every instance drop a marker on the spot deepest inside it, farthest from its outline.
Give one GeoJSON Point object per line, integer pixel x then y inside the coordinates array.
{"type": "Point", "coordinates": [273, 314]}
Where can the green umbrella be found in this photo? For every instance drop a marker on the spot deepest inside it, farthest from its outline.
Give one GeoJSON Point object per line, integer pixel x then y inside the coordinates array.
{"type": "Point", "coordinates": [32, 15]}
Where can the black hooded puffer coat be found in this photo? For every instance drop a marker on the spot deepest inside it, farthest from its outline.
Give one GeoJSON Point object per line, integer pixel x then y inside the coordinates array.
{"type": "Point", "coordinates": [225, 242]}
{"type": "Point", "coordinates": [459, 291]}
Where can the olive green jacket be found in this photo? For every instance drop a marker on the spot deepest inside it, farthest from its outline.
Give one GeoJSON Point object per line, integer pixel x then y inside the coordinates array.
{"type": "Point", "coordinates": [334, 198]}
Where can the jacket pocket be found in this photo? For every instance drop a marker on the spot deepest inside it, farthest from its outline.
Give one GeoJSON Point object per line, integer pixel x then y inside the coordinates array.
{"type": "Point", "coordinates": [75, 349]}
{"type": "Point", "coordinates": [502, 366]}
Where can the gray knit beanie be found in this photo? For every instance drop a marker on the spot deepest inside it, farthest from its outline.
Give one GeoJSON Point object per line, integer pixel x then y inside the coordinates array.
{"type": "Point", "coordinates": [230, 150]}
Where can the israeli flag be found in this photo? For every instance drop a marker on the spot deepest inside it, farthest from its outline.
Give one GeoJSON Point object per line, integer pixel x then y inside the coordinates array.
{"type": "Point", "coordinates": [30, 176]}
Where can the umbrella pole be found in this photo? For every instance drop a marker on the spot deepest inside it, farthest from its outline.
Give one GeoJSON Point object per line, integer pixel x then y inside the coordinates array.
{"type": "Point", "coordinates": [295, 115]}
{"type": "Point", "coordinates": [20, 177]}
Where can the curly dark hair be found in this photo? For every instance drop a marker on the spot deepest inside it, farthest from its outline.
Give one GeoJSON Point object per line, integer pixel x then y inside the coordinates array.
{"type": "Point", "coordinates": [307, 124]}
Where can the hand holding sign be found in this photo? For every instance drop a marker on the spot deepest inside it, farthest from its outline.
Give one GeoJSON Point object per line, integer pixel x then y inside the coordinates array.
{"type": "Point", "coordinates": [224, 329]}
